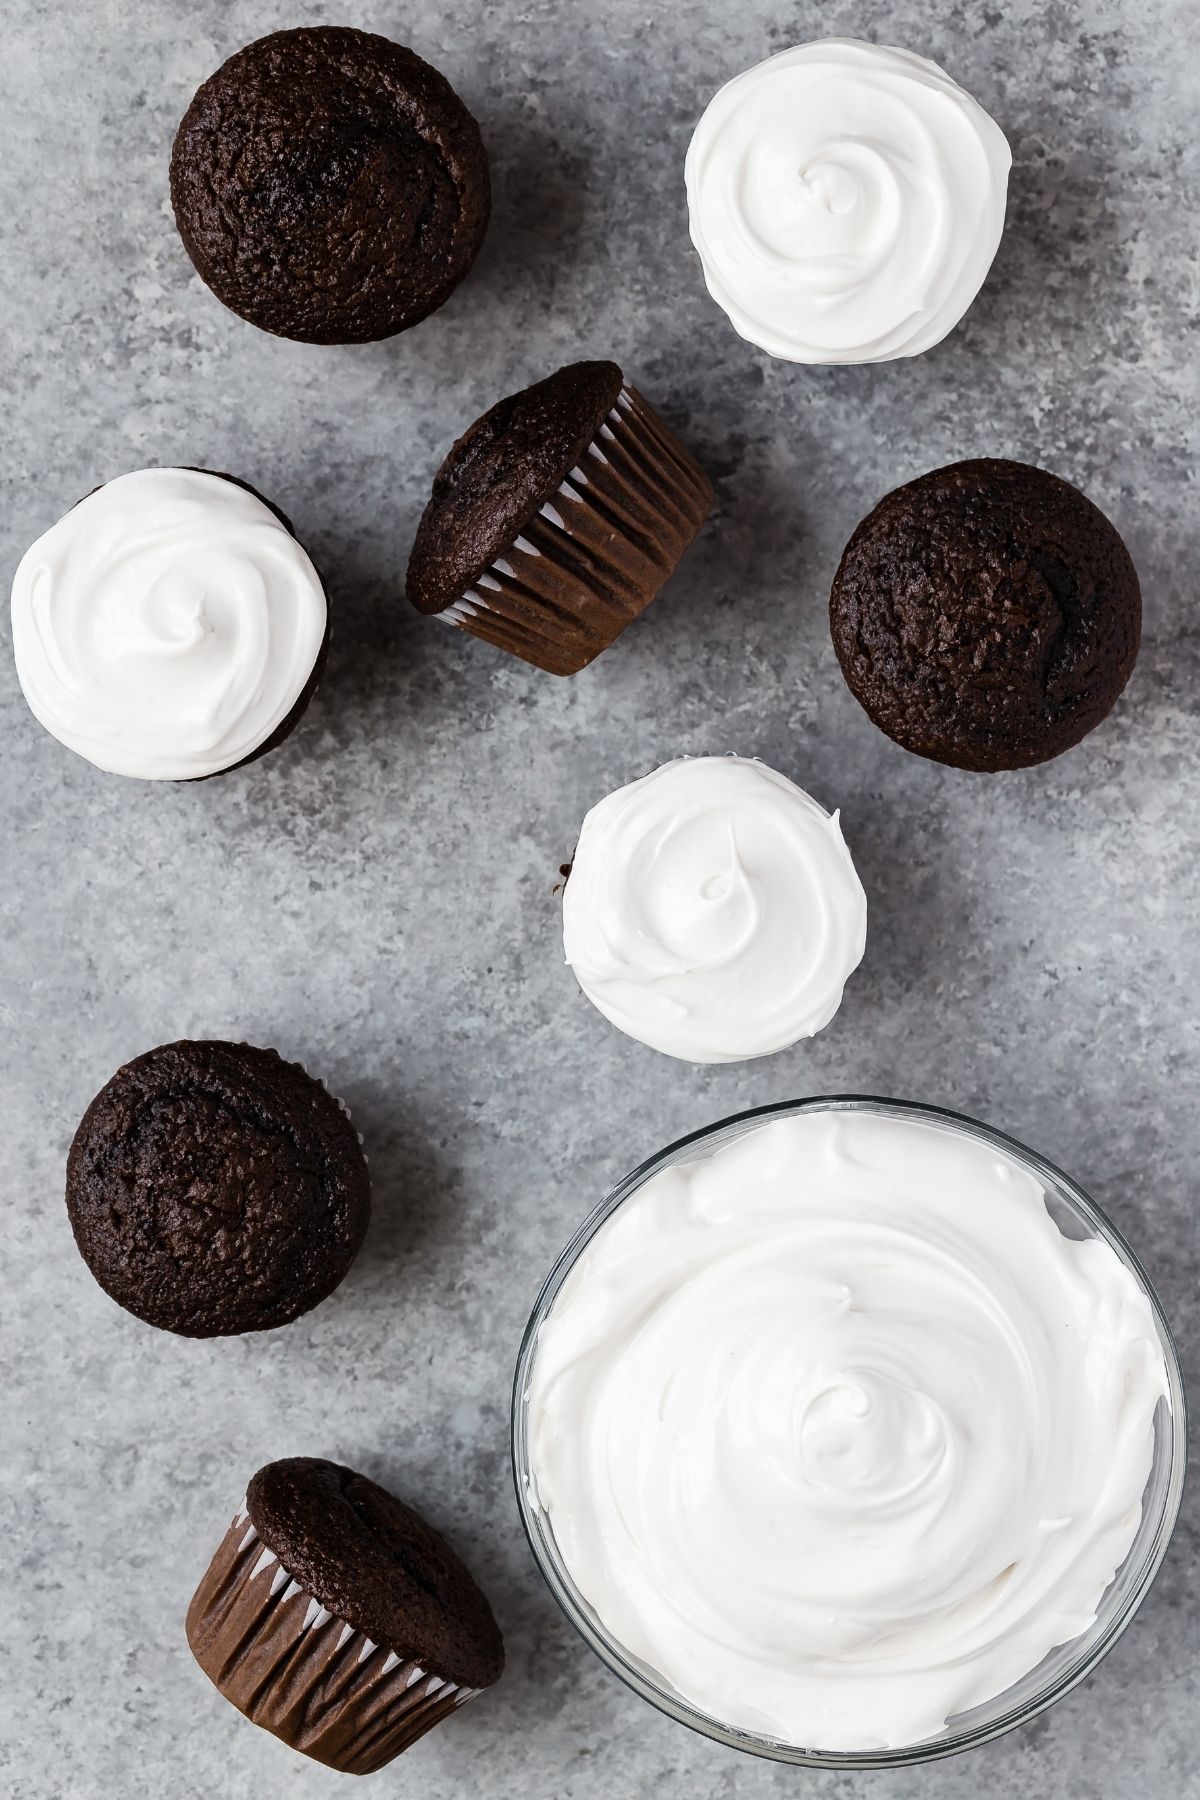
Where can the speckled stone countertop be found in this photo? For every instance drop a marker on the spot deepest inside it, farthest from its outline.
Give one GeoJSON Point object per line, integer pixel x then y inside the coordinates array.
{"type": "Point", "coordinates": [378, 898]}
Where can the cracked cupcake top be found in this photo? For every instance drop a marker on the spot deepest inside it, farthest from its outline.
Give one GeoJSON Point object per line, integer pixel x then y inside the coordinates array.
{"type": "Point", "coordinates": [214, 1188]}
{"type": "Point", "coordinates": [329, 185]}
{"type": "Point", "coordinates": [986, 615]}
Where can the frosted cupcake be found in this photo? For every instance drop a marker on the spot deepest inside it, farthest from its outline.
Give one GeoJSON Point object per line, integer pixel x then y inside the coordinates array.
{"type": "Point", "coordinates": [847, 201]}
{"type": "Point", "coordinates": [170, 626]}
{"type": "Point", "coordinates": [713, 911]}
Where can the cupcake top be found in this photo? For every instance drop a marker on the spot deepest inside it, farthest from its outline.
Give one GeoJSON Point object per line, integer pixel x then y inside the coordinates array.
{"type": "Point", "coordinates": [329, 185]}
{"type": "Point", "coordinates": [167, 625]}
{"type": "Point", "coordinates": [214, 1188]}
{"type": "Point", "coordinates": [846, 200]}
{"type": "Point", "coordinates": [375, 1563]}
{"type": "Point", "coordinates": [986, 615]}
{"type": "Point", "coordinates": [500, 472]}
{"type": "Point", "coordinates": [713, 911]}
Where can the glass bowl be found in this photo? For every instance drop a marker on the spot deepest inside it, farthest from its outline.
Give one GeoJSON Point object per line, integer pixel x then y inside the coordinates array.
{"type": "Point", "coordinates": [1060, 1671]}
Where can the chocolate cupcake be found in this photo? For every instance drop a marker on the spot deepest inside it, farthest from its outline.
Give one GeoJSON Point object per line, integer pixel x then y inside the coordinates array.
{"type": "Point", "coordinates": [214, 1188]}
{"type": "Point", "coordinates": [333, 1616]}
{"type": "Point", "coordinates": [170, 626]}
{"type": "Point", "coordinates": [556, 518]}
{"type": "Point", "coordinates": [986, 615]}
{"type": "Point", "coordinates": [329, 185]}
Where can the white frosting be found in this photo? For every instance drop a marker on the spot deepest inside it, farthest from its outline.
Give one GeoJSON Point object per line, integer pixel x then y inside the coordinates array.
{"type": "Point", "coordinates": [167, 625]}
{"type": "Point", "coordinates": [847, 201]}
{"type": "Point", "coordinates": [838, 1432]}
{"type": "Point", "coordinates": [713, 910]}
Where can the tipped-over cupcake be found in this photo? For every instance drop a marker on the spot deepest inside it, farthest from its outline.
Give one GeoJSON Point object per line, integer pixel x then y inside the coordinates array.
{"type": "Point", "coordinates": [986, 615]}
{"type": "Point", "coordinates": [556, 519]}
{"type": "Point", "coordinates": [333, 1616]}
{"type": "Point", "coordinates": [214, 1188]}
{"type": "Point", "coordinates": [170, 626]}
{"type": "Point", "coordinates": [329, 185]}
{"type": "Point", "coordinates": [713, 911]}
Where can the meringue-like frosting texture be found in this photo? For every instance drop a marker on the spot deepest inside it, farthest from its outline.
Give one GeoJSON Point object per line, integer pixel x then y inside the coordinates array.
{"type": "Point", "coordinates": [167, 625]}
{"type": "Point", "coordinates": [713, 911]}
{"type": "Point", "coordinates": [838, 1432]}
{"type": "Point", "coordinates": [847, 201]}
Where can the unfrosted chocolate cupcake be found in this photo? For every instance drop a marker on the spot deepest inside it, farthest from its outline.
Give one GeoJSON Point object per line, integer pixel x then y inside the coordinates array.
{"type": "Point", "coordinates": [336, 1618]}
{"type": "Point", "coordinates": [329, 185]}
{"type": "Point", "coordinates": [986, 615]}
{"type": "Point", "coordinates": [556, 519]}
{"type": "Point", "coordinates": [214, 1188]}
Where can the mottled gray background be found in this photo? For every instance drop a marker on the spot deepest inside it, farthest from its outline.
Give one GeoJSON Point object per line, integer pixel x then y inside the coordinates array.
{"type": "Point", "coordinates": [378, 897]}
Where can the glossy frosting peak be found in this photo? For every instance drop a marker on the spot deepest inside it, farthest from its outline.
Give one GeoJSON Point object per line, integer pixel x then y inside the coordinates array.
{"type": "Point", "coordinates": [167, 625]}
{"type": "Point", "coordinates": [713, 911]}
{"type": "Point", "coordinates": [847, 201]}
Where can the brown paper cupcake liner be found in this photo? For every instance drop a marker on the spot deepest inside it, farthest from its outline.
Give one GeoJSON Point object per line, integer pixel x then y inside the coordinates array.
{"type": "Point", "coordinates": [300, 1671]}
{"type": "Point", "coordinates": [598, 551]}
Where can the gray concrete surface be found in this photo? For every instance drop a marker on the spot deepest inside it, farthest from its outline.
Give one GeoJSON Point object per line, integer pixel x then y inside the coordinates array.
{"type": "Point", "coordinates": [378, 897]}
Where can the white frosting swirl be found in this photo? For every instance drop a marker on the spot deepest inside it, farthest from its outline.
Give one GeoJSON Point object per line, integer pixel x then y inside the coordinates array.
{"type": "Point", "coordinates": [838, 1432]}
{"type": "Point", "coordinates": [713, 911]}
{"type": "Point", "coordinates": [167, 625]}
{"type": "Point", "coordinates": [847, 201]}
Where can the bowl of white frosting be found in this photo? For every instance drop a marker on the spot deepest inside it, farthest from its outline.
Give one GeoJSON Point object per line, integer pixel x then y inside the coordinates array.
{"type": "Point", "coordinates": [849, 1432]}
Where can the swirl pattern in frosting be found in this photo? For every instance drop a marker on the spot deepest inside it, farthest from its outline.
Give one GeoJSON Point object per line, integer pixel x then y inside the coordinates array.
{"type": "Point", "coordinates": [713, 911]}
{"type": "Point", "coordinates": [167, 625]}
{"type": "Point", "coordinates": [838, 1432]}
{"type": "Point", "coordinates": [847, 201]}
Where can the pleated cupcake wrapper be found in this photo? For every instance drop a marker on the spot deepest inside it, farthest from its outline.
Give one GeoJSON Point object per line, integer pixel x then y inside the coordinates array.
{"type": "Point", "coordinates": [302, 1672]}
{"type": "Point", "coordinates": [598, 551]}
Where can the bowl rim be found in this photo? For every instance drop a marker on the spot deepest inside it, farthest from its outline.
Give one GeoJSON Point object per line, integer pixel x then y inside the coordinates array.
{"type": "Point", "coordinates": [640, 1678]}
